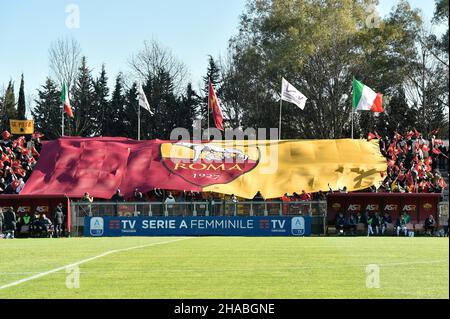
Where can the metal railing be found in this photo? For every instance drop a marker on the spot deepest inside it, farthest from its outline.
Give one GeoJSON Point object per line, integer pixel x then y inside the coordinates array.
{"type": "Point", "coordinates": [317, 210]}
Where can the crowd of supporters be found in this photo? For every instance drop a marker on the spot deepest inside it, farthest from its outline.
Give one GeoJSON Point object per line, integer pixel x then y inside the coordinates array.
{"type": "Point", "coordinates": [413, 163]}
{"type": "Point", "coordinates": [19, 155]}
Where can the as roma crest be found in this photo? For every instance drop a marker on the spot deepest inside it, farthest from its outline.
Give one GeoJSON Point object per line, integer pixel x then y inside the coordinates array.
{"type": "Point", "coordinates": [206, 164]}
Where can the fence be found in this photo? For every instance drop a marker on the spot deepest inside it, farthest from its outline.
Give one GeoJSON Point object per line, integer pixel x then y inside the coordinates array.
{"type": "Point", "coordinates": [317, 210]}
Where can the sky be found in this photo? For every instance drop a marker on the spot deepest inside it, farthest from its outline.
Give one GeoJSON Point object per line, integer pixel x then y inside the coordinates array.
{"type": "Point", "coordinates": [111, 32]}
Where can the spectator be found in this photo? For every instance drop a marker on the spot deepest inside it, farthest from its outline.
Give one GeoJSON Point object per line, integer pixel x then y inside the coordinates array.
{"type": "Point", "coordinates": [370, 222]}
{"type": "Point", "coordinates": [234, 201]}
{"type": "Point", "coordinates": [430, 225]}
{"type": "Point", "coordinates": [169, 202]}
{"type": "Point", "coordinates": [10, 222]}
{"type": "Point", "coordinates": [58, 220]}
{"type": "Point", "coordinates": [377, 222]}
{"type": "Point", "coordinates": [88, 199]}
{"type": "Point", "coordinates": [137, 195]}
{"type": "Point", "coordinates": [45, 225]}
{"type": "Point", "coordinates": [385, 221]}
{"type": "Point", "coordinates": [258, 197]}
{"type": "Point", "coordinates": [286, 200]}
{"type": "Point", "coordinates": [401, 224]}
{"type": "Point", "coordinates": [340, 224]}
{"type": "Point", "coordinates": [351, 224]}
{"type": "Point", "coordinates": [118, 197]}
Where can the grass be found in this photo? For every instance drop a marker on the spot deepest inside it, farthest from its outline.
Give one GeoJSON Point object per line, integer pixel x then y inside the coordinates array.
{"type": "Point", "coordinates": [211, 267]}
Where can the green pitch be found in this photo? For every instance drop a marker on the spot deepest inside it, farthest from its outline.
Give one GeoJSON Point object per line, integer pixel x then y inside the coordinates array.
{"type": "Point", "coordinates": [224, 268]}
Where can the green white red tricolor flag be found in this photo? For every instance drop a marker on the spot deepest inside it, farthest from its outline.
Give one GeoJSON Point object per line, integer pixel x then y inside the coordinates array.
{"type": "Point", "coordinates": [365, 99]}
{"type": "Point", "coordinates": [65, 101]}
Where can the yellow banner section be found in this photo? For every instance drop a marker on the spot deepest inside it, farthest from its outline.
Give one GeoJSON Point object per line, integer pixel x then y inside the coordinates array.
{"type": "Point", "coordinates": [21, 127]}
{"type": "Point", "coordinates": [309, 165]}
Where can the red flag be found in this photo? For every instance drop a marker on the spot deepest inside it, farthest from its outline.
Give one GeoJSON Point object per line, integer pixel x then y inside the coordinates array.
{"type": "Point", "coordinates": [410, 134]}
{"type": "Point", "coordinates": [437, 151]}
{"type": "Point", "coordinates": [371, 137]}
{"type": "Point", "coordinates": [416, 133]}
{"type": "Point", "coordinates": [6, 135]}
{"type": "Point", "coordinates": [442, 183]}
{"type": "Point", "coordinates": [214, 105]}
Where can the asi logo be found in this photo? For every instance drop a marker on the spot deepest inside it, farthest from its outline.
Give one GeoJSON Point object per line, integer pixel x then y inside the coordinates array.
{"type": "Point", "coordinates": [427, 206]}
{"type": "Point", "coordinates": [354, 208]}
{"type": "Point", "coordinates": [298, 226]}
{"type": "Point", "coordinates": [409, 208]}
{"type": "Point", "coordinates": [97, 226]}
{"type": "Point", "coordinates": [208, 164]}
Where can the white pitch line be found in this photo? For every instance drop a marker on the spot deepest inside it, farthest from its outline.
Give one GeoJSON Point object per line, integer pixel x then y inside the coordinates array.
{"type": "Point", "coordinates": [42, 274]}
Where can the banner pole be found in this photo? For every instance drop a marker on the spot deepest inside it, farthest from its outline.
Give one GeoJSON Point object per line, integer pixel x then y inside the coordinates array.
{"type": "Point", "coordinates": [279, 128]}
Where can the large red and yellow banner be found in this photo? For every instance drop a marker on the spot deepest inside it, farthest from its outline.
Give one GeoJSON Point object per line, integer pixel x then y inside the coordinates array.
{"type": "Point", "coordinates": [101, 165]}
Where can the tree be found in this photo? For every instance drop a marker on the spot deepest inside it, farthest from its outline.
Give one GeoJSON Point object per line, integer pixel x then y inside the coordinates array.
{"type": "Point", "coordinates": [83, 104]}
{"type": "Point", "coordinates": [153, 60]}
{"type": "Point", "coordinates": [9, 111]}
{"type": "Point", "coordinates": [21, 106]}
{"type": "Point", "coordinates": [188, 105]}
{"type": "Point", "coordinates": [441, 16]}
{"type": "Point", "coordinates": [115, 113]}
{"type": "Point", "coordinates": [319, 46]}
{"type": "Point", "coordinates": [131, 118]}
{"type": "Point", "coordinates": [64, 59]}
{"type": "Point", "coordinates": [47, 111]}
{"type": "Point", "coordinates": [101, 92]}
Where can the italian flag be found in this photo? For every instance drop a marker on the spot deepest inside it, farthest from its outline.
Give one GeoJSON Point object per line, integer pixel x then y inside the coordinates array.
{"type": "Point", "coordinates": [365, 99]}
{"type": "Point", "coordinates": [65, 100]}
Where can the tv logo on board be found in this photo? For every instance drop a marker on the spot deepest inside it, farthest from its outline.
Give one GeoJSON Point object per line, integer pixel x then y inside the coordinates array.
{"type": "Point", "coordinates": [298, 226]}
{"type": "Point", "coordinates": [97, 226]}
{"type": "Point", "coordinates": [128, 226]}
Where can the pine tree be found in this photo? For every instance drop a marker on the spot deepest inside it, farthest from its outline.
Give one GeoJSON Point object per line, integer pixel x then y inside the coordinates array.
{"type": "Point", "coordinates": [131, 118]}
{"type": "Point", "coordinates": [101, 102]}
{"type": "Point", "coordinates": [114, 124]}
{"type": "Point", "coordinates": [83, 104]}
{"type": "Point", "coordinates": [21, 107]}
{"type": "Point", "coordinates": [189, 104]}
{"type": "Point", "coordinates": [9, 111]}
{"type": "Point", "coordinates": [47, 112]}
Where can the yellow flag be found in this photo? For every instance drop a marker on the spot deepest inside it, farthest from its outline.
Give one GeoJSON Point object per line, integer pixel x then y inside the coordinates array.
{"type": "Point", "coordinates": [274, 168]}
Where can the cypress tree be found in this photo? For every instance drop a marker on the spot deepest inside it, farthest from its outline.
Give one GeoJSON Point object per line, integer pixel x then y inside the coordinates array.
{"type": "Point", "coordinates": [21, 107]}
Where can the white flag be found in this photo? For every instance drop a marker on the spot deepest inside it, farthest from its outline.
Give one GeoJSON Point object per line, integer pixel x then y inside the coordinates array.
{"type": "Point", "coordinates": [290, 94]}
{"type": "Point", "coordinates": [143, 102]}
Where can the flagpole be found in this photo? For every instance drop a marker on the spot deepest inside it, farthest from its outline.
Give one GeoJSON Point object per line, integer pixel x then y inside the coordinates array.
{"type": "Point", "coordinates": [62, 121]}
{"type": "Point", "coordinates": [279, 128]}
{"type": "Point", "coordinates": [352, 123]}
{"type": "Point", "coordinates": [139, 122]}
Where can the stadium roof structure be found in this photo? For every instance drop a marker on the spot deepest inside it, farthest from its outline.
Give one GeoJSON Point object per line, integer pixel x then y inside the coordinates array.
{"type": "Point", "coordinates": [101, 165]}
